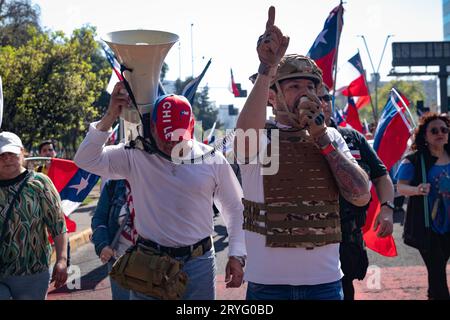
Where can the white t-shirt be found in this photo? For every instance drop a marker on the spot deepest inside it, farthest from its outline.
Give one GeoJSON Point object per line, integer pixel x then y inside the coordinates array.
{"type": "Point", "coordinates": [287, 266]}
{"type": "Point", "coordinates": [173, 202]}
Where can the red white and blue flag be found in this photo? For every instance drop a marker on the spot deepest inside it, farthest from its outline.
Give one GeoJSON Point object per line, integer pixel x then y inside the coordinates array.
{"type": "Point", "coordinates": [390, 142]}
{"type": "Point", "coordinates": [337, 115]}
{"type": "Point", "coordinates": [351, 80]}
{"type": "Point", "coordinates": [352, 116]}
{"type": "Point", "coordinates": [324, 50]}
{"type": "Point", "coordinates": [191, 88]}
{"type": "Point", "coordinates": [72, 183]}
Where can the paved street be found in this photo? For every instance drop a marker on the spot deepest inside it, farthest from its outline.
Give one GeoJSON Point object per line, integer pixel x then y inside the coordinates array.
{"type": "Point", "coordinates": [399, 278]}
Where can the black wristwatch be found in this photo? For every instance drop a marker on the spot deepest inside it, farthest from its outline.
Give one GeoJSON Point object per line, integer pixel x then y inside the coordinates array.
{"type": "Point", "coordinates": [388, 204]}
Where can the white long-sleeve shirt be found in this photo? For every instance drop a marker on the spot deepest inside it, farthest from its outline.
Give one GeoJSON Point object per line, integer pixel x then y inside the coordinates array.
{"type": "Point", "coordinates": [173, 202]}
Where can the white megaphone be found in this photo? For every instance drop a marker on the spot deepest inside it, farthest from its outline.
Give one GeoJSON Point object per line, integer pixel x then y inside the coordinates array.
{"type": "Point", "coordinates": [142, 52]}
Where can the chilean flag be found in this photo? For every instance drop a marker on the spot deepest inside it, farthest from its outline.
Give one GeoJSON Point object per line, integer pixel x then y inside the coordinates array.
{"type": "Point", "coordinates": [191, 88]}
{"type": "Point", "coordinates": [352, 116]}
{"type": "Point", "coordinates": [234, 88]}
{"type": "Point", "coordinates": [352, 82]}
{"type": "Point", "coordinates": [390, 142]}
{"type": "Point", "coordinates": [73, 185]}
{"type": "Point", "coordinates": [337, 116]}
{"type": "Point", "coordinates": [324, 49]}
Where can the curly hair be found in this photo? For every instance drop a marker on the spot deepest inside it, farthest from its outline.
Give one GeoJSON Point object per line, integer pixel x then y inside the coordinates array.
{"type": "Point", "coordinates": [419, 142]}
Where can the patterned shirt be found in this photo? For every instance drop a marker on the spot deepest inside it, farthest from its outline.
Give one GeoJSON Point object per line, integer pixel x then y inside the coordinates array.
{"type": "Point", "coordinates": [26, 249]}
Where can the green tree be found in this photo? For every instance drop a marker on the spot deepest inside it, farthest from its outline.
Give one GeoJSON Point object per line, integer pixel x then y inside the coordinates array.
{"type": "Point", "coordinates": [51, 85]}
{"type": "Point", "coordinates": [204, 110]}
{"type": "Point", "coordinates": [16, 17]}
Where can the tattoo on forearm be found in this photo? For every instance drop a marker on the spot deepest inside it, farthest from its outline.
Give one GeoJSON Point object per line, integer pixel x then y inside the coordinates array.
{"type": "Point", "coordinates": [352, 181]}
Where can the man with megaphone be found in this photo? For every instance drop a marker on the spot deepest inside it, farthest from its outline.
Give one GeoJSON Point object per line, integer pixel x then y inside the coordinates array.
{"type": "Point", "coordinates": [174, 256]}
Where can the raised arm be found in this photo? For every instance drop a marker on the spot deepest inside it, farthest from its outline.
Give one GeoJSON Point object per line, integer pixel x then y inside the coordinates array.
{"type": "Point", "coordinates": [92, 155]}
{"type": "Point", "coordinates": [271, 47]}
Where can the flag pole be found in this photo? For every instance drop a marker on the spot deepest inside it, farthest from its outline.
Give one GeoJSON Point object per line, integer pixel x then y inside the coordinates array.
{"type": "Point", "coordinates": [38, 159]}
{"type": "Point", "coordinates": [370, 97]}
{"type": "Point", "coordinates": [338, 39]}
{"type": "Point", "coordinates": [406, 108]}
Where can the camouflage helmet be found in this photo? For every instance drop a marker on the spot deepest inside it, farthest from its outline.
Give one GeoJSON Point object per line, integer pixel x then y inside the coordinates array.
{"type": "Point", "coordinates": [298, 66]}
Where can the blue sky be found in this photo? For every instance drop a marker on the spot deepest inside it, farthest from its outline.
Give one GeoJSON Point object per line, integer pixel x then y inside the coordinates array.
{"type": "Point", "coordinates": [226, 31]}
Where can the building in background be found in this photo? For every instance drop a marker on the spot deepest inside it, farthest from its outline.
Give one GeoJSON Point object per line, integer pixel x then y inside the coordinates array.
{"type": "Point", "coordinates": [228, 115]}
{"type": "Point", "coordinates": [446, 17]}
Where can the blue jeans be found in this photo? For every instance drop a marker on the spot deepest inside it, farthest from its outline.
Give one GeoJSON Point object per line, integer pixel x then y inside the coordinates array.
{"type": "Point", "coordinates": [117, 291]}
{"type": "Point", "coordinates": [201, 273]}
{"type": "Point", "coordinates": [325, 291]}
{"type": "Point", "coordinates": [27, 287]}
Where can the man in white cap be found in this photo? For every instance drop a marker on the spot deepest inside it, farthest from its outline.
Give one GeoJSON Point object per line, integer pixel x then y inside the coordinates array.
{"type": "Point", "coordinates": [30, 205]}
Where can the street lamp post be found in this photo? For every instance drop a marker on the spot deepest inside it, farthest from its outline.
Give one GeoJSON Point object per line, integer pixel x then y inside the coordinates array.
{"type": "Point", "coordinates": [192, 48]}
{"type": "Point", "coordinates": [376, 75]}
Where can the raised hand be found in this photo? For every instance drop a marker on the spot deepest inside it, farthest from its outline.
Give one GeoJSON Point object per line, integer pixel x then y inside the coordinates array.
{"type": "Point", "coordinates": [272, 45]}
{"type": "Point", "coordinates": [311, 116]}
{"type": "Point", "coordinates": [119, 100]}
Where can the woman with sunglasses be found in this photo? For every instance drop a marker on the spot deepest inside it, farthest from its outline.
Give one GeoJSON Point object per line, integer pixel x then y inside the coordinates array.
{"type": "Point", "coordinates": [424, 176]}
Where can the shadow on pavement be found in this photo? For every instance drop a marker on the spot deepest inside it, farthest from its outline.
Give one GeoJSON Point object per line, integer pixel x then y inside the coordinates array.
{"type": "Point", "coordinates": [88, 282]}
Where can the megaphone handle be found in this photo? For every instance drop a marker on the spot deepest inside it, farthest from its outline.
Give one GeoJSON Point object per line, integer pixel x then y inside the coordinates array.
{"type": "Point", "coordinates": [128, 88]}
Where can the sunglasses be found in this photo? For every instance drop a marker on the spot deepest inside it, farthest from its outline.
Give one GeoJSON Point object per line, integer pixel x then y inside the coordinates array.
{"type": "Point", "coordinates": [326, 98]}
{"type": "Point", "coordinates": [435, 131]}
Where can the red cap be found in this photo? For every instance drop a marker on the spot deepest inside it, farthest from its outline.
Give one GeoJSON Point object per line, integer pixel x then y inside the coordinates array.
{"type": "Point", "coordinates": [173, 113]}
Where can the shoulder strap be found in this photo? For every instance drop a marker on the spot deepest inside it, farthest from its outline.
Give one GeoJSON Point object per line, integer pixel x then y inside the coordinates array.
{"type": "Point", "coordinates": [10, 205]}
{"type": "Point", "coordinates": [425, 198]}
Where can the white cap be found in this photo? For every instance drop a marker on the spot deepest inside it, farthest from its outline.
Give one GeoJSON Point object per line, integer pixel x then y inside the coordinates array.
{"type": "Point", "coordinates": [9, 142]}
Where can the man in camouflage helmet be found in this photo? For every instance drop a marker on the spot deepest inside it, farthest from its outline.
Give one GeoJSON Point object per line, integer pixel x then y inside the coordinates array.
{"type": "Point", "coordinates": [292, 217]}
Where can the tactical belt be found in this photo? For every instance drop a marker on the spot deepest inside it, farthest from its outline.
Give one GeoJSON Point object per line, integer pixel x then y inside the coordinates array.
{"type": "Point", "coordinates": [196, 250]}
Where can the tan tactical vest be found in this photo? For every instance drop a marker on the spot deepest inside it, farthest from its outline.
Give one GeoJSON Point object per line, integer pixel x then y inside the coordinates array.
{"type": "Point", "coordinates": [301, 201]}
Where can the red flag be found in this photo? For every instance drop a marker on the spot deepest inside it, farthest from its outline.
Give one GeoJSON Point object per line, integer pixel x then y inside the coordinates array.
{"type": "Point", "coordinates": [384, 246]}
{"type": "Point", "coordinates": [324, 49]}
{"type": "Point", "coordinates": [362, 102]}
{"type": "Point", "coordinates": [352, 116]}
{"type": "Point", "coordinates": [390, 142]}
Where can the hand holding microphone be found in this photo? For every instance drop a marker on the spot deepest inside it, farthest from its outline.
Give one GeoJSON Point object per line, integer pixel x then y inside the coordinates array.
{"type": "Point", "coordinates": [311, 118]}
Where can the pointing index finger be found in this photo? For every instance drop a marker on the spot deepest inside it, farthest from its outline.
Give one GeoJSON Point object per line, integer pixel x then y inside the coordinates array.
{"type": "Point", "coordinates": [271, 17]}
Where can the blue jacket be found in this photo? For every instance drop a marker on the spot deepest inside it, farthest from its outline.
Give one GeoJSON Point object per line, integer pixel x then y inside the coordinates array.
{"type": "Point", "coordinates": [105, 221]}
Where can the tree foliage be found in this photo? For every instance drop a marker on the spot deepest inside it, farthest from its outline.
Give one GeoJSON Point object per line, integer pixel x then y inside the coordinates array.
{"type": "Point", "coordinates": [16, 17]}
{"type": "Point", "coordinates": [51, 84]}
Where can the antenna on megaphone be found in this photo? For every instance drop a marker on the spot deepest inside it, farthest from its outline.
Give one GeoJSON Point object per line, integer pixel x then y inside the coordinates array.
{"type": "Point", "coordinates": [141, 54]}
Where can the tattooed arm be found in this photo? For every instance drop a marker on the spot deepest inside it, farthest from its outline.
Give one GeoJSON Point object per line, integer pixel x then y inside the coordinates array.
{"type": "Point", "coordinates": [352, 180]}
